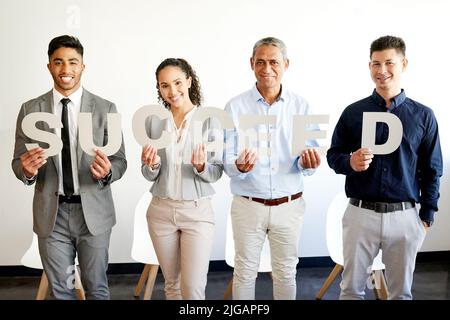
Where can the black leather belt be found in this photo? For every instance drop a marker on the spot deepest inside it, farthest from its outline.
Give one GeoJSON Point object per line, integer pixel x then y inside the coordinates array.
{"type": "Point", "coordinates": [275, 202]}
{"type": "Point", "coordinates": [382, 207]}
{"type": "Point", "coordinates": [69, 199]}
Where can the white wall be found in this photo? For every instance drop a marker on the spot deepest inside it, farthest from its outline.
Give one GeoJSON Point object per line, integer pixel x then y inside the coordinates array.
{"type": "Point", "coordinates": [328, 44]}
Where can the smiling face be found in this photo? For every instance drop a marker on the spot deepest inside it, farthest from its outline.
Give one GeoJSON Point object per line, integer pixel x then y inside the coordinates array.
{"type": "Point", "coordinates": [386, 69]}
{"type": "Point", "coordinates": [269, 67]}
{"type": "Point", "coordinates": [174, 87]}
{"type": "Point", "coordinates": [66, 67]}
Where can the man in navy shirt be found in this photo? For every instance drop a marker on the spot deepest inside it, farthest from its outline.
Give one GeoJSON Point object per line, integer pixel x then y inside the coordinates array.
{"type": "Point", "coordinates": [384, 189]}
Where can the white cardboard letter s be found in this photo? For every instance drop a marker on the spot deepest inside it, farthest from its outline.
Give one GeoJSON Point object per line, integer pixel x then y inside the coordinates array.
{"type": "Point", "coordinates": [30, 130]}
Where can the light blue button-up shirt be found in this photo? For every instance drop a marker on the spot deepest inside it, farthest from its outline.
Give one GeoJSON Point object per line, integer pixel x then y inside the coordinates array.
{"type": "Point", "coordinates": [277, 173]}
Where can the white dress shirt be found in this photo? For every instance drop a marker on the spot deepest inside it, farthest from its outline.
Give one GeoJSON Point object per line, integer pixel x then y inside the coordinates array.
{"type": "Point", "coordinates": [73, 108]}
{"type": "Point", "coordinates": [279, 173]}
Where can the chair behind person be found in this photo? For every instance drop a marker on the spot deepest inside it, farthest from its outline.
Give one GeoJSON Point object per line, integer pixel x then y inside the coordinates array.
{"type": "Point", "coordinates": [32, 259]}
{"type": "Point", "coordinates": [335, 214]}
{"type": "Point", "coordinates": [142, 249]}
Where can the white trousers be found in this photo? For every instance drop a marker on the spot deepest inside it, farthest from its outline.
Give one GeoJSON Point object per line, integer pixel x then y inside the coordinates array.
{"type": "Point", "coordinates": [399, 234]}
{"type": "Point", "coordinates": [251, 222]}
{"type": "Point", "coordinates": [182, 233]}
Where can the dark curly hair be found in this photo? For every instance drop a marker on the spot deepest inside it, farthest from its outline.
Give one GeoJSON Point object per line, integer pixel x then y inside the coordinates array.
{"type": "Point", "coordinates": [195, 93]}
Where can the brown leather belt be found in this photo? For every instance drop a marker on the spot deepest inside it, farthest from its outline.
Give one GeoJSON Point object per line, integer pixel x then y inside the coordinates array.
{"type": "Point", "coordinates": [275, 202]}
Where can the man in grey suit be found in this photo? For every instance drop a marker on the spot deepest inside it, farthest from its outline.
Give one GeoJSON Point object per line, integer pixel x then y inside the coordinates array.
{"type": "Point", "coordinates": [73, 209]}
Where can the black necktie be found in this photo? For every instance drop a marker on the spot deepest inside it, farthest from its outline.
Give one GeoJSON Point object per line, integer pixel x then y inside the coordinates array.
{"type": "Point", "coordinates": [66, 158]}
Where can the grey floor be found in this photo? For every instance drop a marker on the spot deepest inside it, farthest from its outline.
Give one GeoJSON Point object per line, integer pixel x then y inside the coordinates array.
{"type": "Point", "coordinates": [431, 282]}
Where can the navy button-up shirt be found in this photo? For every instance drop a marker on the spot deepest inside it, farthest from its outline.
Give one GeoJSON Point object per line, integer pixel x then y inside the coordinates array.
{"type": "Point", "coordinates": [410, 173]}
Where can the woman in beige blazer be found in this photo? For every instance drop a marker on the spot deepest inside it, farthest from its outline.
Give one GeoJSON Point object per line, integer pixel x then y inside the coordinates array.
{"type": "Point", "coordinates": [180, 216]}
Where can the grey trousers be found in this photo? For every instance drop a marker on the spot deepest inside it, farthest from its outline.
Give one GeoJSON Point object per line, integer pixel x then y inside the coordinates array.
{"type": "Point", "coordinates": [399, 234]}
{"type": "Point", "coordinates": [69, 237]}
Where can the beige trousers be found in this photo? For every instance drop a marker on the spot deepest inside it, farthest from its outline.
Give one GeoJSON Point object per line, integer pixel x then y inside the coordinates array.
{"type": "Point", "coordinates": [182, 233]}
{"type": "Point", "coordinates": [251, 222]}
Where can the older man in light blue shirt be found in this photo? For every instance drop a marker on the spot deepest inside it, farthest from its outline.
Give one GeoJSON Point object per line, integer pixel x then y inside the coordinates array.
{"type": "Point", "coordinates": [267, 185]}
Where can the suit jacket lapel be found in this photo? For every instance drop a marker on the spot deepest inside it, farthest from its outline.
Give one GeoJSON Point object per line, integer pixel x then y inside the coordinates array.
{"type": "Point", "coordinates": [46, 105]}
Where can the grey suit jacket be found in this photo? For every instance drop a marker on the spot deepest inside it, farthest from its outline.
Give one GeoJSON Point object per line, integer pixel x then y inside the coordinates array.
{"type": "Point", "coordinates": [96, 197]}
{"type": "Point", "coordinates": [194, 185]}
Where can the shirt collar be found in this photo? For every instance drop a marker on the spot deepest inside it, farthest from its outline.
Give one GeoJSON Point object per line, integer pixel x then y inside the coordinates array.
{"type": "Point", "coordinates": [258, 97]}
{"type": "Point", "coordinates": [75, 97]}
{"type": "Point", "coordinates": [395, 102]}
{"type": "Point", "coordinates": [187, 117]}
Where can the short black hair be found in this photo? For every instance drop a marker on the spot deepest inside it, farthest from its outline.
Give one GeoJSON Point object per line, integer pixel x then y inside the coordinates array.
{"type": "Point", "coordinates": [388, 42]}
{"type": "Point", "coordinates": [65, 41]}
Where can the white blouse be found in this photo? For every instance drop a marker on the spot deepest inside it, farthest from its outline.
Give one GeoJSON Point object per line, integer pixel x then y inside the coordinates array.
{"type": "Point", "coordinates": [174, 154]}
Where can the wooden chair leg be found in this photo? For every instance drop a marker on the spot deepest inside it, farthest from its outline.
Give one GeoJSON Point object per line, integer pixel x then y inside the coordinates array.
{"type": "Point", "coordinates": [333, 274]}
{"type": "Point", "coordinates": [383, 287]}
{"type": "Point", "coordinates": [43, 287]}
{"type": "Point", "coordinates": [142, 279]}
{"type": "Point", "coordinates": [228, 290]}
{"type": "Point", "coordinates": [150, 281]}
{"type": "Point", "coordinates": [79, 290]}
{"type": "Point", "coordinates": [380, 287]}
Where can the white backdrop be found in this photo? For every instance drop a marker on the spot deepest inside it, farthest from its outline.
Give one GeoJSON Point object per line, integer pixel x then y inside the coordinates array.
{"type": "Point", "coordinates": [328, 45]}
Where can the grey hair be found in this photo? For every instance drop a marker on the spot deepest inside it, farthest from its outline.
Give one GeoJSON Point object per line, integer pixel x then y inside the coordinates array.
{"type": "Point", "coordinates": [273, 42]}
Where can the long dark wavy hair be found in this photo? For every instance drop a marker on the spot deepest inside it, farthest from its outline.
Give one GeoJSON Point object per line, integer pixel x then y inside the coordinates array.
{"type": "Point", "coordinates": [195, 93]}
